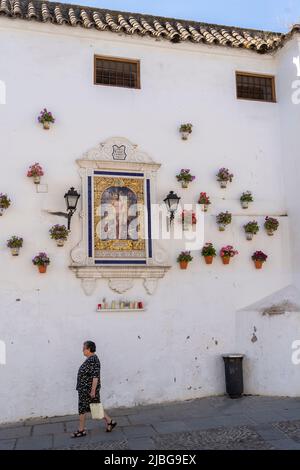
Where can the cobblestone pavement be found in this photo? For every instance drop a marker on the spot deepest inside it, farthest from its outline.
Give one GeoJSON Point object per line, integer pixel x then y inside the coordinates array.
{"type": "Point", "coordinates": [208, 423]}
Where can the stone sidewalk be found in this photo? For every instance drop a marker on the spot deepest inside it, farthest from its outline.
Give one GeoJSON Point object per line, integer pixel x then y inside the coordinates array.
{"type": "Point", "coordinates": [208, 423]}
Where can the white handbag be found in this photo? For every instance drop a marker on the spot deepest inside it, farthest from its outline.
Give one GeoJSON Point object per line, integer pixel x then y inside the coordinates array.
{"type": "Point", "coordinates": [97, 410]}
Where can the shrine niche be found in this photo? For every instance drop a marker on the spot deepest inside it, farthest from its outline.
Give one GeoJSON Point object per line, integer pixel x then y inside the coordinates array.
{"type": "Point", "coordinates": [118, 190]}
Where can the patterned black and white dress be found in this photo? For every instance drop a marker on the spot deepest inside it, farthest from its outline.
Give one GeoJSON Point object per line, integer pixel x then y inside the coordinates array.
{"type": "Point", "coordinates": [89, 370]}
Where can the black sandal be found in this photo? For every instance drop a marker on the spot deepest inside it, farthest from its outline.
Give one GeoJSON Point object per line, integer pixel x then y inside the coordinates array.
{"type": "Point", "coordinates": [110, 426]}
{"type": "Point", "coordinates": [79, 434]}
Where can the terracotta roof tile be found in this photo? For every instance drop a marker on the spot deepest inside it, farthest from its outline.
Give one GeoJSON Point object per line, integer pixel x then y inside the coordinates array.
{"type": "Point", "coordinates": [139, 24]}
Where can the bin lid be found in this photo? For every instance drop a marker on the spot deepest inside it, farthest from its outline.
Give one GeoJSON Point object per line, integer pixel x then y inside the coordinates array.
{"type": "Point", "coordinates": [233, 355]}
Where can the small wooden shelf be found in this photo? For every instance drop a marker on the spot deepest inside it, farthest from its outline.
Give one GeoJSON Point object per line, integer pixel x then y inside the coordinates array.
{"type": "Point", "coordinates": [118, 310]}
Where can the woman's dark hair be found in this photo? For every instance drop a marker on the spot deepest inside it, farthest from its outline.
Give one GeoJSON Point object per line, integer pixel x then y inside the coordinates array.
{"type": "Point", "coordinates": [90, 345]}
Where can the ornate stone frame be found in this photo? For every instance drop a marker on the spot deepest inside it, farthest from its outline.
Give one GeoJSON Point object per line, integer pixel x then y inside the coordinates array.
{"type": "Point", "coordinates": [117, 154]}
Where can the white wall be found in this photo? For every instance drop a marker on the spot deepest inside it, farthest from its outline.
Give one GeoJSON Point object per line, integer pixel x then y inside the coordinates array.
{"type": "Point", "coordinates": [172, 351]}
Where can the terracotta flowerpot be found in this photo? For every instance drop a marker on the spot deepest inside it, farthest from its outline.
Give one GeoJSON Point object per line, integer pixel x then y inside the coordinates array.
{"type": "Point", "coordinates": [42, 268]}
{"type": "Point", "coordinates": [226, 259]}
{"type": "Point", "coordinates": [258, 264]}
{"type": "Point", "coordinates": [36, 179]}
{"type": "Point", "coordinates": [208, 259]}
{"type": "Point", "coordinates": [46, 125]}
{"type": "Point", "coordinates": [183, 264]}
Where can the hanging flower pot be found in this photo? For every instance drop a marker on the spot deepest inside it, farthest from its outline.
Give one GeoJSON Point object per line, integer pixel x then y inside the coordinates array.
{"type": "Point", "coordinates": [15, 243]}
{"type": "Point", "coordinates": [46, 118]}
{"type": "Point", "coordinates": [208, 252]}
{"type": "Point", "coordinates": [184, 258]}
{"type": "Point", "coordinates": [245, 199]}
{"type": "Point", "coordinates": [59, 233]}
{"type": "Point", "coordinates": [41, 261]}
{"type": "Point", "coordinates": [185, 130]}
{"type": "Point", "coordinates": [259, 257]}
{"type": "Point", "coordinates": [35, 171]}
{"type": "Point", "coordinates": [185, 177]}
{"type": "Point", "coordinates": [4, 203]}
{"type": "Point", "coordinates": [223, 219]}
{"type": "Point", "coordinates": [271, 225]}
{"type": "Point", "coordinates": [224, 176]}
{"type": "Point", "coordinates": [226, 253]}
{"type": "Point", "coordinates": [251, 229]}
{"type": "Point", "coordinates": [204, 202]}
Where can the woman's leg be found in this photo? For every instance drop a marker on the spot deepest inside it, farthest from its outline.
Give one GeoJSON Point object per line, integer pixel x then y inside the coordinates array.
{"type": "Point", "coordinates": [107, 418]}
{"type": "Point", "coordinates": [81, 422]}
{"type": "Point", "coordinates": [110, 424]}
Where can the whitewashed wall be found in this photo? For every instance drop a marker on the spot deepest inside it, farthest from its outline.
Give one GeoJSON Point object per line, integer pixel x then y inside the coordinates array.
{"type": "Point", "coordinates": [172, 351]}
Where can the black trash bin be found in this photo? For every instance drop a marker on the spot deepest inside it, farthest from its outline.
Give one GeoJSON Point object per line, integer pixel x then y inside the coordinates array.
{"type": "Point", "coordinates": [234, 374]}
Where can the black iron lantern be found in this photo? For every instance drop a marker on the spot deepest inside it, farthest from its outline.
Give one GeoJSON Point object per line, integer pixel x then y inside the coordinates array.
{"type": "Point", "coordinates": [71, 198]}
{"type": "Point", "coordinates": [172, 201]}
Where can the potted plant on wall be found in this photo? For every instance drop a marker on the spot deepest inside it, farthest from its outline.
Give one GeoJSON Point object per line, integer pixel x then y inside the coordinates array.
{"type": "Point", "coordinates": [245, 199]}
{"type": "Point", "coordinates": [224, 176]}
{"type": "Point", "coordinates": [271, 225]}
{"type": "Point", "coordinates": [35, 171]}
{"type": "Point", "coordinates": [4, 203]}
{"type": "Point", "coordinates": [184, 259]}
{"type": "Point", "coordinates": [208, 252]}
{"type": "Point", "coordinates": [251, 229]}
{"type": "Point", "coordinates": [259, 257]}
{"type": "Point", "coordinates": [204, 201]}
{"type": "Point", "coordinates": [223, 219]}
{"type": "Point", "coordinates": [185, 177]}
{"type": "Point", "coordinates": [59, 233]}
{"type": "Point", "coordinates": [185, 130]}
{"type": "Point", "coordinates": [15, 243]}
{"type": "Point", "coordinates": [227, 252]}
{"type": "Point", "coordinates": [41, 261]}
{"type": "Point", "coordinates": [46, 118]}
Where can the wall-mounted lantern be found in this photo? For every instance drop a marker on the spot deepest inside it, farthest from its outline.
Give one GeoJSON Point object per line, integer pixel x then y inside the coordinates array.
{"type": "Point", "coordinates": [172, 201]}
{"type": "Point", "coordinates": [71, 198]}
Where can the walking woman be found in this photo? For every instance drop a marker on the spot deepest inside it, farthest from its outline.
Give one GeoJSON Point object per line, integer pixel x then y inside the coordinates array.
{"type": "Point", "coordinates": [88, 387]}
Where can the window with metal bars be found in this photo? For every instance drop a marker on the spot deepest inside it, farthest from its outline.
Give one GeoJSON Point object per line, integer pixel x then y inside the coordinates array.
{"type": "Point", "coordinates": [117, 72]}
{"type": "Point", "coordinates": [255, 87]}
